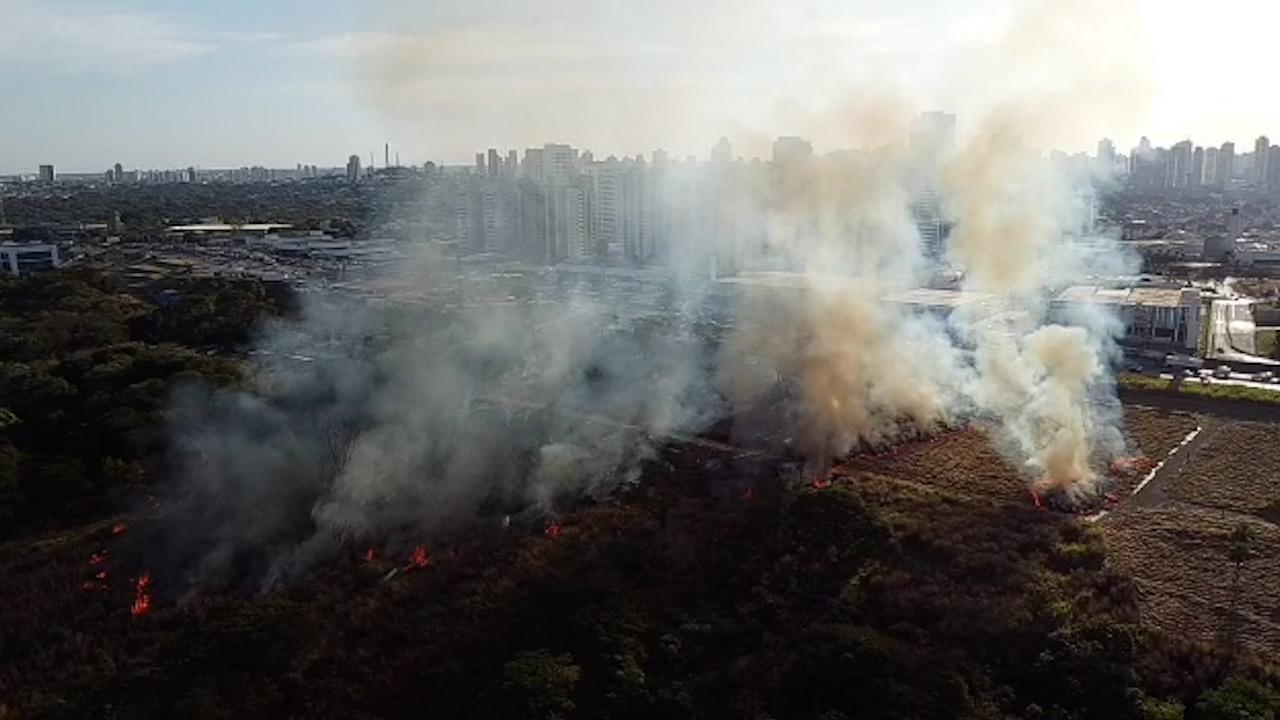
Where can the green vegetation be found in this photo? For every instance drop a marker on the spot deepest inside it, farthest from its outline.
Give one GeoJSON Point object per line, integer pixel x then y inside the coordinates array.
{"type": "Point", "coordinates": [1213, 391]}
{"type": "Point", "coordinates": [86, 371]}
{"type": "Point", "coordinates": [865, 600]}
{"type": "Point", "coordinates": [1240, 699]}
{"type": "Point", "coordinates": [681, 597]}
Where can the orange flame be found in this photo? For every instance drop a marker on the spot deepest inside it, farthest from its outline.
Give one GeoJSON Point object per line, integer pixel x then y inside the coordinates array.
{"type": "Point", "coordinates": [553, 531]}
{"type": "Point", "coordinates": [821, 483]}
{"type": "Point", "coordinates": [119, 529]}
{"type": "Point", "coordinates": [142, 596]}
{"type": "Point", "coordinates": [101, 575]}
{"type": "Point", "coordinates": [419, 558]}
{"type": "Point", "coordinates": [1132, 466]}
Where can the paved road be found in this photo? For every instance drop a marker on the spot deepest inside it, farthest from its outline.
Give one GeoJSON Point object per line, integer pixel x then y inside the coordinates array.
{"type": "Point", "coordinates": [1156, 492]}
{"type": "Point", "coordinates": [1212, 407]}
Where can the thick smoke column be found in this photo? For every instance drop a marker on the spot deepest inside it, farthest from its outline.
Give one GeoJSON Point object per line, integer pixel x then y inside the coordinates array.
{"type": "Point", "coordinates": [421, 419]}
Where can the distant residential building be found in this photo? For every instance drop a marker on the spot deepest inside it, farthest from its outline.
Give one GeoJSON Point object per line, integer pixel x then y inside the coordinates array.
{"type": "Point", "coordinates": [790, 151]}
{"type": "Point", "coordinates": [1261, 152]}
{"type": "Point", "coordinates": [722, 152]}
{"type": "Point", "coordinates": [560, 162]}
{"type": "Point", "coordinates": [1179, 167]}
{"type": "Point", "coordinates": [933, 133]}
{"type": "Point", "coordinates": [353, 169]}
{"type": "Point", "coordinates": [45, 174]}
{"type": "Point", "coordinates": [1272, 184]}
{"type": "Point", "coordinates": [1226, 164]}
{"type": "Point", "coordinates": [932, 138]}
{"type": "Point", "coordinates": [1106, 159]}
{"type": "Point", "coordinates": [1209, 174]}
{"type": "Point", "coordinates": [23, 259]}
{"type": "Point", "coordinates": [534, 167]}
{"type": "Point", "coordinates": [495, 162]}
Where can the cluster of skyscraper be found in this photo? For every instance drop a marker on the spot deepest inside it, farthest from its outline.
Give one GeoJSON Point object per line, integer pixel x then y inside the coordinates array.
{"type": "Point", "coordinates": [561, 203]}
{"type": "Point", "coordinates": [1186, 165]}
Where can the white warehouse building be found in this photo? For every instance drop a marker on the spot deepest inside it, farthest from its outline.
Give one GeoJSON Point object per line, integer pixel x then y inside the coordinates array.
{"type": "Point", "coordinates": [1152, 314]}
{"type": "Point", "coordinates": [22, 259]}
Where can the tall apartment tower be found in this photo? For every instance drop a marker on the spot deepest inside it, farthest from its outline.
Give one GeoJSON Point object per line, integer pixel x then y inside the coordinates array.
{"type": "Point", "coordinates": [1261, 151]}
{"type": "Point", "coordinates": [933, 136]}
{"type": "Point", "coordinates": [1226, 164]}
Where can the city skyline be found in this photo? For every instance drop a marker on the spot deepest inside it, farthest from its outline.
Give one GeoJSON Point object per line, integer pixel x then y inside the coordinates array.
{"type": "Point", "coordinates": [1116, 149]}
{"type": "Point", "coordinates": [242, 84]}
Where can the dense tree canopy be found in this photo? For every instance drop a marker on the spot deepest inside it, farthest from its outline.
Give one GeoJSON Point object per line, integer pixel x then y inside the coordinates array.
{"type": "Point", "coordinates": [86, 370]}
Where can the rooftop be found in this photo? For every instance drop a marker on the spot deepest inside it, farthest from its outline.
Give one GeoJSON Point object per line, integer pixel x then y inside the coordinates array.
{"type": "Point", "coordinates": [1135, 296]}
{"type": "Point", "coordinates": [223, 227]}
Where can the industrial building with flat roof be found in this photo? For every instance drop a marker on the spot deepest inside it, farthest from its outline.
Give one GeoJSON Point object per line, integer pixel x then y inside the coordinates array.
{"type": "Point", "coordinates": [22, 259]}
{"type": "Point", "coordinates": [1152, 314]}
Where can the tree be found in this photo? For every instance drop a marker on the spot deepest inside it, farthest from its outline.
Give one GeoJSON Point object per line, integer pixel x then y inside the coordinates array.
{"type": "Point", "coordinates": [1242, 547]}
{"type": "Point", "coordinates": [1239, 699]}
{"type": "Point", "coordinates": [542, 684]}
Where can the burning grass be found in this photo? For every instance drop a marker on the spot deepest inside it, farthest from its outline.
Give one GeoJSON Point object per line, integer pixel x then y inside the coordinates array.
{"type": "Point", "coordinates": [966, 463]}
{"type": "Point", "coordinates": [961, 462]}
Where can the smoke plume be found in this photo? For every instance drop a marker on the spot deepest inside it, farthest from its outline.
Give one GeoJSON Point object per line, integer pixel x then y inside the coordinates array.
{"type": "Point", "coordinates": [491, 395]}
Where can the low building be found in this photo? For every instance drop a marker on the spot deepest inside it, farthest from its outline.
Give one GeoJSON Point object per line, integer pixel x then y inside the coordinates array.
{"type": "Point", "coordinates": [1153, 313]}
{"type": "Point", "coordinates": [18, 259]}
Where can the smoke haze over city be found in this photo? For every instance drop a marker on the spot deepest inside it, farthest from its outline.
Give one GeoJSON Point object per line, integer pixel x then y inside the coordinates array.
{"type": "Point", "coordinates": [158, 85]}
{"type": "Point", "coordinates": [661, 360]}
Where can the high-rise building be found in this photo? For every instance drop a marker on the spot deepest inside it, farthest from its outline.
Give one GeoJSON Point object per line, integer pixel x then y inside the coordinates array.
{"type": "Point", "coordinates": [1226, 164]}
{"type": "Point", "coordinates": [1196, 178]}
{"type": "Point", "coordinates": [1261, 151]}
{"type": "Point", "coordinates": [1147, 166]}
{"type": "Point", "coordinates": [45, 174]}
{"type": "Point", "coordinates": [118, 173]}
{"type": "Point", "coordinates": [353, 169]}
{"type": "Point", "coordinates": [1179, 168]}
{"type": "Point", "coordinates": [535, 167]}
{"type": "Point", "coordinates": [722, 152]}
{"type": "Point", "coordinates": [933, 133]}
{"type": "Point", "coordinates": [560, 163]}
{"type": "Point", "coordinates": [791, 151]}
{"type": "Point", "coordinates": [1106, 160]}
{"type": "Point", "coordinates": [495, 162]}
{"type": "Point", "coordinates": [479, 163]}
{"type": "Point", "coordinates": [1272, 184]}
{"type": "Point", "coordinates": [932, 138]}
{"type": "Point", "coordinates": [1209, 176]}
{"type": "Point", "coordinates": [513, 163]}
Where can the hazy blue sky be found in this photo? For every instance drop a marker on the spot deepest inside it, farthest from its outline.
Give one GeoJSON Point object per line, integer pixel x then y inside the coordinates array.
{"type": "Point", "coordinates": [236, 82]}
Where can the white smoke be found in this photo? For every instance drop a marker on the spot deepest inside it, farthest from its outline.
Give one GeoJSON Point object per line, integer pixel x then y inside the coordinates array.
{"type": "Point", "coordinates": [422, 419]}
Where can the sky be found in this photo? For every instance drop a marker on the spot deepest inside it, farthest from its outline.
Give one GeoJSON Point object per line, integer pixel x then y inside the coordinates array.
{"type": "Point", "coordinates": [242, 82]}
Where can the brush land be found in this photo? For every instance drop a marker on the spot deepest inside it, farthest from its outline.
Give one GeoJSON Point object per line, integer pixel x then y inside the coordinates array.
{"type": "Point", "coordinates": [921, 584]}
